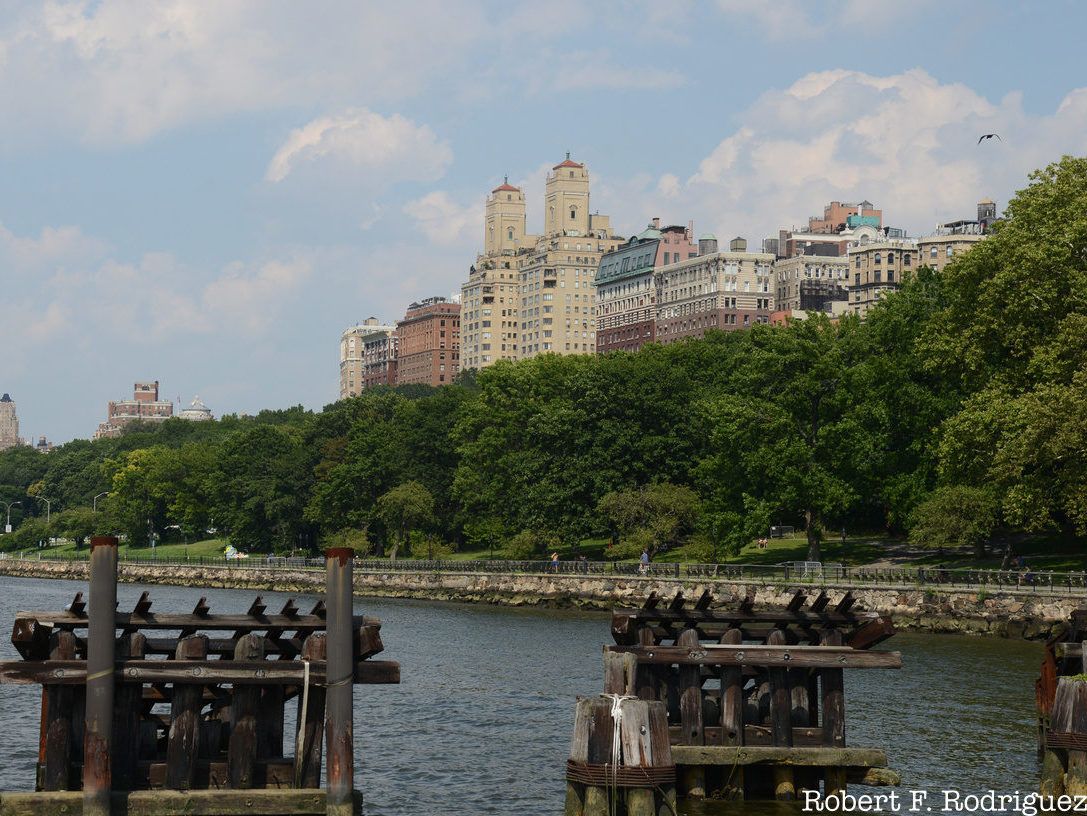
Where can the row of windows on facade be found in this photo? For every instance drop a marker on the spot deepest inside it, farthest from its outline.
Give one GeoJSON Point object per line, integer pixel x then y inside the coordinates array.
{"type": "Point", "coordinates": [877, 277]}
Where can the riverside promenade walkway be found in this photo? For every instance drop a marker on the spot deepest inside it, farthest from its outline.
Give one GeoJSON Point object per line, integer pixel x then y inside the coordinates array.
{"type": "Point", "coordinates": [985, 602]}
{"type": "Point", "coordinates": [1043, 582]}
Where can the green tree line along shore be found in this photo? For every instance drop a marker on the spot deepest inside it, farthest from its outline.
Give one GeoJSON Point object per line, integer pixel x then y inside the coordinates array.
{"type": "Point", "coordinates": [955, 414]}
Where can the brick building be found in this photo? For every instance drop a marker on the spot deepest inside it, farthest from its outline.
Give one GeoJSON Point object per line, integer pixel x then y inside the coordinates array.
{"type": "Point", "coordinates": [429, 343]}
{"type": "Point", "coordinates": [145, 405]}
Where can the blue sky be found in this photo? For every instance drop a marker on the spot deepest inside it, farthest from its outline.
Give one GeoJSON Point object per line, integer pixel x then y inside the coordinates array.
{"type": "Point", "coordinates": [207, 193]}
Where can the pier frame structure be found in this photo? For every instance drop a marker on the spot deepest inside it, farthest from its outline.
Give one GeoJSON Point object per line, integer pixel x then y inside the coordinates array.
{"type": "Point", "coordinates": [169, 714]}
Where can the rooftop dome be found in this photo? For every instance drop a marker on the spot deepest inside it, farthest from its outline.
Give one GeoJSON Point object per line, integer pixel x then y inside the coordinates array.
{"type": "Point", "coordinates": [709, 236]}
{"type": "Point", "coordinates": [5, 398]}
{"type": "Point", "coordinates": [196, 411]}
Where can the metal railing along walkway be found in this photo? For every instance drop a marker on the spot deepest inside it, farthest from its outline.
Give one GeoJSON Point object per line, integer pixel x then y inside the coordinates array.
{"type": "Point", "coordinates": [798, 573]}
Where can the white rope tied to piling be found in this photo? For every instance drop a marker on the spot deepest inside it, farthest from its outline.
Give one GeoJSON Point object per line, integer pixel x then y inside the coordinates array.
{"type": "Point", "coordinates": [617, 701]}
{"type": "Point", "coordinates": [300, 740]}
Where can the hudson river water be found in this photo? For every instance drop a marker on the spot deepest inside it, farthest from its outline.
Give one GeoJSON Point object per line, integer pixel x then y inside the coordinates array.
{"type": "Point", "coordinates": [481, 721]}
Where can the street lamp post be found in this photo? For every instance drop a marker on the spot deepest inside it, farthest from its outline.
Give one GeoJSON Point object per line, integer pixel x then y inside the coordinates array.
{"type": "Point", "coordinates": [7, 527]}
{"type": "Point", "coordinates": [94, 501]}
{"type": "Point", "coordinates": [48, 515]}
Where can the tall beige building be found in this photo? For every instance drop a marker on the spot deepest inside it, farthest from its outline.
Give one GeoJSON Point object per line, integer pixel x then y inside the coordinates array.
{"type": "Point", "coordinates": [557, 309]}
{"type": "Point", "coordinates": [718, 290]}
{"type": "Point", "coordinates": [352, 355]}
{"type": "Point", "coordinates": [9, 423]}
{"type": "Point", "coordinates": [876, 268]}
{"type": "Point", "coordinates": [490, 296]}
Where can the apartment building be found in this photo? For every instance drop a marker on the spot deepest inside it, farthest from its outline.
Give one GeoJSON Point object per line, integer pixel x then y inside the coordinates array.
{"type": "Point", "coordinates": [429, 343]}
{"type": "Point", "coordinates": [876, 268]}
{"type": "Point", "coordinates": [490, 296]}
{"type": "Point", "coordinates": [352, 348]}
{"type": "Point", "coordinates": [557, 308]}
{"type": "Point", "coordinates": [379, 354]}
{"type": "Point", "coordinates": [952, 239]}
{"type": "Point", "coordinates": [810, 282]}
{"type": "Point", "coordinates": [718, 290]}
{"type": "Point", "coordinates": [626, 291]}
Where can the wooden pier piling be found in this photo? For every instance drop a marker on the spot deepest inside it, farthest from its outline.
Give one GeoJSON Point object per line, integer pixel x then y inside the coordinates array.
{"type": "Point", "coordinates": [338, 703]}
{"type": "Point", "coordinates": [754, 699]}
{"type": "Point", "coordinates": [98, 727]}
{"type": "Point", "coordinates": [183, 713]}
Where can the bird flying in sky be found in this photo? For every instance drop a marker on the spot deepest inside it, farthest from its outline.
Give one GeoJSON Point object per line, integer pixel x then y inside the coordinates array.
{"type": "Point", "coordinates": [983, 137]}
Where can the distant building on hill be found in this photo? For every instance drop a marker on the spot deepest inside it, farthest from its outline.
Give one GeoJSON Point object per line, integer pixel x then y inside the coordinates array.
{"type": "Point", "coordinates": [145, 405]}
{"type": "Point", "coordinates": [196, 412]}
{"type": "Point", "coordinates": [9, 423]}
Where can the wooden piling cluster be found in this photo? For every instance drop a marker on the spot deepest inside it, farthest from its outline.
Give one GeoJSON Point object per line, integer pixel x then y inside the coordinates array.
{"type": "Point", "coordinates": [1061, 694]}
{"type": "Point", "coordinates": [162, 714]}
{"type": "Point", "coordinates": [754, 699]}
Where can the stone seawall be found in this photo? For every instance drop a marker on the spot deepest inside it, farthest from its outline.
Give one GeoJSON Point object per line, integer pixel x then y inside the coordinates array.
{"type": "Point", "coordinates": [1003, 613]}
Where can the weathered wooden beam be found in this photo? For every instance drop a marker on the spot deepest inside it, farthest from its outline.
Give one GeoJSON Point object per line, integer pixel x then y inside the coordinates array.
{"type": "Point", "coordinates": [792, 657]}
{"type": "Point", "coordinates": [74, 672]}
{"type": "Point", "coordinates": [151, 620]}
{"type": "Point", "coordinates": [309, 741]}
{"type": "Point", "coordinates": [57, 715]}
{"type": "Point", "coordinates": [172, 803]}
{"type": "Point", "coordinates": [690, 713]}
{"type": "Point", "coordinates": [242, 750]}
{"type": "Point", "coordinates": [754, 735]}
{"type": "Point", "coordinates": [871, 634]}
{"type": "Point", "coordinates": [779, 755]}
{"type": "Point", "coordinates": [183, 742]}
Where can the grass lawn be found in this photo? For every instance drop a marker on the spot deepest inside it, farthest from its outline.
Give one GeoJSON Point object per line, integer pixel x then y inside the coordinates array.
{"type": "Point", "coordinates": [209, 548]}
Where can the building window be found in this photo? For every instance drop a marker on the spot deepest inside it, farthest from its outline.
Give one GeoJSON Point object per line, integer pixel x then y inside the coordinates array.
{"type": "Point", "coordinates": [877, 258]}
{"type": "Point", "coordinates": [932, 252]}
{"type": "Point", "coordinates": [906, 259]}
{"type": "Point", "coordinates": [950, 250]}
{"type": "Point", "coordinates": [890, 257]}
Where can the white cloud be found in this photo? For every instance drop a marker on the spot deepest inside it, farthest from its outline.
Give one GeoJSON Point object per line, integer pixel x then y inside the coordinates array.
{"type": "Point", "coordinates": [111, 72]}
{"type": "Point", "coordinates": [64, 278]}
{"type": "Point", "coordinates": [906, 142]}
{"type": "Point", "coordinates": [796, 19]}
{"type": "Point", "coordinates": [375, 146]}
{"type": "Point", "coordinates": [444, 221]}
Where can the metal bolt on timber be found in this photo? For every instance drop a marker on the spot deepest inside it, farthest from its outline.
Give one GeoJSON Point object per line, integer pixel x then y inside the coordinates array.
{"type": "Point", "coordinates": [338, 701]}
{"type": "Point", "coordinates": [98, 729]}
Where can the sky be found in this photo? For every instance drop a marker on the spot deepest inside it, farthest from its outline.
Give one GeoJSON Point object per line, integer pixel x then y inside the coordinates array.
{"type": "Point", "coordinates": [207, 192]}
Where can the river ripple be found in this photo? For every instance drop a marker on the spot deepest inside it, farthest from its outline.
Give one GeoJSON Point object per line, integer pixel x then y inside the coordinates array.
{"type": "Point", "coordinates": [481, 722]}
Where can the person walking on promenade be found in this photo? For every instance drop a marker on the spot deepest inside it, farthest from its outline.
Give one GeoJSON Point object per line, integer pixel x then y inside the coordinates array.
{"type": "Point", "coordinates": [643, 566]}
